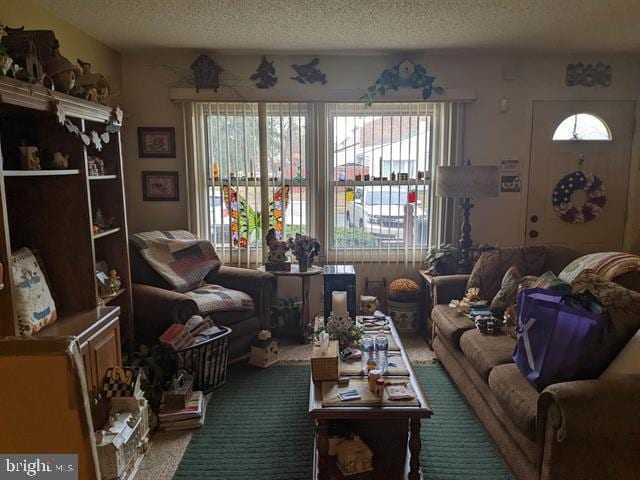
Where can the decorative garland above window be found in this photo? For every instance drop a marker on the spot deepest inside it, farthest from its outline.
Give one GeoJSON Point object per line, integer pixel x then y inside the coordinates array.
{"type": "Point", "coordinates": [571, 183]}
{"type": "Point", "coordinates": [405, 74]}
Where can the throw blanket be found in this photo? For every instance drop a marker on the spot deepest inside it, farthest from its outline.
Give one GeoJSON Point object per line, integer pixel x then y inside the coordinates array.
{"type": "Point", "coordinates": [609, 265]}
{"type": "Point", "coordinates": [179, 257]}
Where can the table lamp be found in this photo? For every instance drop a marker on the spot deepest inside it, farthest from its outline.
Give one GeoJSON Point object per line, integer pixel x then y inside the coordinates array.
{"type": "Point", "coordinates": [466, 182]}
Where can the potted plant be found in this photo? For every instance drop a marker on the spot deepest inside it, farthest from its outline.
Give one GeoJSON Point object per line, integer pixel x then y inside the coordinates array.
{"type": "Point", "coordinates": [442, 260]}
{"type": "Point", "coordinates": [287, 311]}
{"type": "Point", "coordinates": [403, 302]}
{"type": "Point", "coordinates": [305, 249]}
{"type": "Point", "coordinates": [343, 329]}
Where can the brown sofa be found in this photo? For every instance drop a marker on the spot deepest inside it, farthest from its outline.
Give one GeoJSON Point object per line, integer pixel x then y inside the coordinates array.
{"type": "Point", "coordinates": [574, 430]}
{"type": "Point", "coordinates": [156, 306]}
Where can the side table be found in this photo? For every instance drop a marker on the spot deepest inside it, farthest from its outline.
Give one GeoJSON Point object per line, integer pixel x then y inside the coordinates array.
{"type": "Point", "coordinates": [426, 304]}
{"type": "Point", "coordinates": [306, 284]}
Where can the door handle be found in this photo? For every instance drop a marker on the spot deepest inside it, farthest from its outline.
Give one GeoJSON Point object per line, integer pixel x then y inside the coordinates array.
{"type": "Point", "coordinates": [533, 233]}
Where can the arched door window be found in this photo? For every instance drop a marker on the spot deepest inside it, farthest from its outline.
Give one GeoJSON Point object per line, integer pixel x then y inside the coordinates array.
{"type": "Point", "coordinates": [582, 126]}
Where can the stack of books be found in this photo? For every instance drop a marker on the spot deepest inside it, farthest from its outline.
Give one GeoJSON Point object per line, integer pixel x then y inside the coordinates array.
{"type": "Point", "coordinates": [189, 417]}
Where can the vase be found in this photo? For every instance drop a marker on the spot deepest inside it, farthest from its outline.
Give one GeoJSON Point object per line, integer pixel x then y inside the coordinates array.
{"type": "Point", "coordinates": [303, 264]}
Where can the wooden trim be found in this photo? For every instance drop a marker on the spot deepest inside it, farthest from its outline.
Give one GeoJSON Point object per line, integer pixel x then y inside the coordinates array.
{"type": "Point", "coordinates": [35, 97]}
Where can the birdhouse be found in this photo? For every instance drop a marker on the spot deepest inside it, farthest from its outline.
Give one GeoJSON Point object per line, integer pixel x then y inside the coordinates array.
{"type": "Point", "coordinates": [264, 350]}
{"type": "Point", "coordinates": [206, 73]}
{"type": "Point", "coordinates": [354, 457]}
{"type": "Point", "coordinates": [24, 52]}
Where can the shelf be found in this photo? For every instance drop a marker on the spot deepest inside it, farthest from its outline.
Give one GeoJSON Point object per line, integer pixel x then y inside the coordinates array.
{"type": "Point", "coordinates": [81, 324]}
{"type": "Point", "coordinates": [111, 298]}
{"type": "Point", "coordinates": [106, 233]}
{"type": "Point", "coordinates": [40, 173]}
{"type": "Point", "coordinates": [103, 177]}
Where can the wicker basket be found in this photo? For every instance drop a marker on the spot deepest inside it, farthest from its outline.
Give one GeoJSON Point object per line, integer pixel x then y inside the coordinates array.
{"type": "Point", "coordinates": [324, 368]}
{"type": "Point", "coordinates": [207, 361]}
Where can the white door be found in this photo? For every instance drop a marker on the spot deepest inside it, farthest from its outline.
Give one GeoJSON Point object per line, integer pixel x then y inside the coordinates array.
{"type": "Point", "coordinates": [592, 144]}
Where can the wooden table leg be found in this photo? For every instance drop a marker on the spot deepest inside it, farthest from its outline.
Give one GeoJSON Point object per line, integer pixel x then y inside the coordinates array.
{"type": "Point", "coordinates": [306, 284]}
{"type": "Point", "coordinates": [415, 444]}
{"type": "Point", "coordinates": [322, 440]}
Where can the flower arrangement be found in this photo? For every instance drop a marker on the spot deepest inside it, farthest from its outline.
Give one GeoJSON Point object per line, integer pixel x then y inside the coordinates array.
{"type": "Point", "coordinates": [403, 290]}
{"type": "Point", "coordinates": [305, 249]}
{"type": "Point", "coordinates": [343, 329]}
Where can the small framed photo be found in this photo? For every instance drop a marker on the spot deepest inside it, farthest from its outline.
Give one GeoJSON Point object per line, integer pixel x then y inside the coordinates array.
{"type": "Point", "coordinates": [160, 187]}
{"type": "Point", "coordinates": [156, 142]}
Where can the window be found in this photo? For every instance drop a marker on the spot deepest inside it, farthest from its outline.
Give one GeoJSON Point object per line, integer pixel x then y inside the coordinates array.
{"type": "Point", "coordinates": [582, 126]}
{"type": "Point", "coordinates": [358, 179]}
{"type": "Point", "coordinates": [236, 175]}
{"type": "Point", "coordinates": [380, 168]}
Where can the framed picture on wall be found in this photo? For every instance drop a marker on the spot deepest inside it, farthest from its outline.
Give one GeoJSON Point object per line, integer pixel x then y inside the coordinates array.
{"type": "Point", "coordinates": [160, 187]}
{"type": "Point", "coordinates": [156, 142]}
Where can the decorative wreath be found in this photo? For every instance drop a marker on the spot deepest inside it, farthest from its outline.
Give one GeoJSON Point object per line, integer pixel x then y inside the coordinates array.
{"type": "Point", "coordinates": [571, 183]}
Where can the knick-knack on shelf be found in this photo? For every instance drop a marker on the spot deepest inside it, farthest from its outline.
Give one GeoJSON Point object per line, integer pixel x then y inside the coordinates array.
{"type": "Point", "coordinates": [114, 281]}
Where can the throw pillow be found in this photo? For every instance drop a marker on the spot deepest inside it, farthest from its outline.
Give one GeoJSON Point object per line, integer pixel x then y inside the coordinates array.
{"type": "Point", "coordinates": [490, 268]}
{"type": "Point", "coordinates": [628, 360]}
{"type": "Point", "coordinates": [608, 265]}
{"type": "Point", "coordinates": [34, 305]}
{"type": "Point", "coordinates": [622, 307]}
{"type": "Point", "coordinates": [549, 281]}
{"type": "Point", "coordinates": [506, 296]}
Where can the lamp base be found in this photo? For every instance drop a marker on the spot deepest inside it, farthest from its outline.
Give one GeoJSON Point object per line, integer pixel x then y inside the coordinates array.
{"type": "Point", "coordinates": [465, 264]}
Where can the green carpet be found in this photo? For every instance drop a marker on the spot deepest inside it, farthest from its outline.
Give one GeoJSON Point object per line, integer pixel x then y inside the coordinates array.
{"type": "Point", "coordinates": [257, 427]}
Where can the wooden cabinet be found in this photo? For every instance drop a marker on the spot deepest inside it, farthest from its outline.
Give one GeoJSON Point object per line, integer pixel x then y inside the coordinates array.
{"type": "Point", "coordinates": [104, 350]}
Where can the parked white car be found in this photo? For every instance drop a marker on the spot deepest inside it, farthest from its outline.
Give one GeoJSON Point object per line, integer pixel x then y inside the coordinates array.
{"type": "Point", "coordinates": [380, 206]}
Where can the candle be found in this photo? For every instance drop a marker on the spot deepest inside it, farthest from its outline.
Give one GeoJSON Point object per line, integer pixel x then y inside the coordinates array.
{"type": "Point", "coordinates": [339, 303]}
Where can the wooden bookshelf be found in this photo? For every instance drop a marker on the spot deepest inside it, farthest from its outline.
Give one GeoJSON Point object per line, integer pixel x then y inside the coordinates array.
{"type": "Point", "coordinates": [51, 211]}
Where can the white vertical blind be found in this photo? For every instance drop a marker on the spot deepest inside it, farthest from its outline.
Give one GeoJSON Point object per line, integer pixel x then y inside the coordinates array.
{"type": "Point", "coordinates": [317, 157]}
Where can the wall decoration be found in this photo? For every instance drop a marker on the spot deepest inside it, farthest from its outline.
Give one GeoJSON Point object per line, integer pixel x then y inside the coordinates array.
{"type": "Point", "coordinates": [206, 73]}
{"type": "Point", "coordinates": [591, 184]}
{"type": "Point", "coordinates": [114, 125]}
{"type": "Point", "coordinates": [160, 187]}
{"type": "Point", "coordinates": [588, 75]}
{"type": "Point", "coordinates": [245, 220]}
{"type": "Point", "coordinates": [265, 76]}
{"type": "Point", "coordinates": [510, 184]}
{"type": "Point", "coordinates": [156, 142]}
{"type": "Point", "coordinates": [405, 74]}
{"type": "Point", "coordinates": [309, 73]}
{"type": "Point", "coordinates": [91, 86]}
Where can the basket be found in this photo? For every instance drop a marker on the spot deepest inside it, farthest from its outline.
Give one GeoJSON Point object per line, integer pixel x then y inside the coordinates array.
{"type": "Point", "coordinates": [207, 361]}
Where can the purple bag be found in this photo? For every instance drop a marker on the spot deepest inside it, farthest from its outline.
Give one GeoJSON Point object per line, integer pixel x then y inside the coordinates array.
{"type": "Point", "coordinates": [553, 339]}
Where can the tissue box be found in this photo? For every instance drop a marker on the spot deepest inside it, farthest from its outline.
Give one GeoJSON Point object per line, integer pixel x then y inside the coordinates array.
{"type": "Point", "coordinates": [324, 368]}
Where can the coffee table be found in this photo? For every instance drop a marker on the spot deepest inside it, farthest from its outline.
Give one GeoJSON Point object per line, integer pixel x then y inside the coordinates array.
{"type": "Point", "coordinates": [392, 432]}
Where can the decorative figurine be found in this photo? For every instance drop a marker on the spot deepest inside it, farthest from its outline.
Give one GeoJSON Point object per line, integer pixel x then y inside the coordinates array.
{"type": "Point", "coordinates": [264, 350]}
{"type": "Point", "coordinates": [91, 86]}
{"type": "Point", "coordinates": [30, 158]}
{"type": "Point", "coordinates": [206, 73]}
{"type": "Point", "coordinates": [368, 304]}
{"type": "Point", "coordinates": [5, 60]}
{"type": "Point", "coordinates": [62, 71]}
{"type": "Point", "coordinates": [277, 259]}
{"type": "Point", "coordinates": [114, 281]}
{"type": "Point", "coordinates": [309, 73]}
{"type": "Point", "coordinates": [265, 76]}
{"type": "Point", "coordinates": [60, 161]}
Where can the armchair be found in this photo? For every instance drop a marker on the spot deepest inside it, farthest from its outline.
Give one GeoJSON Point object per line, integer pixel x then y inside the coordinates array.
{"type": "Point", "coordinates": [156, 305]}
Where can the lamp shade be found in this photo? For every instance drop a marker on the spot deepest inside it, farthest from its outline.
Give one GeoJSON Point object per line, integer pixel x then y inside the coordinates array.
{"type": "Point", "coordinates": [467, 181]}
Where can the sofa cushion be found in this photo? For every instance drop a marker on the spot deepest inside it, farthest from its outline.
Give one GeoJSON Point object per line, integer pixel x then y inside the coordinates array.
{"type": "Point", "coordinates": [489, 270]}
{"type": "Point", "coordinates": [508, 292]}
{"type": "Point", "coordinates": [450, 323]}
{"type": "Point", "coordinates": [232, 319]}
{"type": "Point", "coordinates": [517, 396]}
{"type": "Point", "coordinates": [486, 351]}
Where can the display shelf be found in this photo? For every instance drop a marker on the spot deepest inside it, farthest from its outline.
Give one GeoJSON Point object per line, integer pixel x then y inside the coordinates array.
{"type": "Point", "coordinates": [106, 233]}
{"type": "Point", "coordinates": [111, 298]}
{"type": "Point", "coordinates": [40, 173]}
{"type": "Point", "coordinates": [81, 324]}
{"type": "Point", "coordinates": [102, 177]}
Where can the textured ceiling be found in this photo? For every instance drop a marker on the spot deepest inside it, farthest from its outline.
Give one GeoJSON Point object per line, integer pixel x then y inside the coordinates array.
{"type": "Point", "coordinates": [347, 25]}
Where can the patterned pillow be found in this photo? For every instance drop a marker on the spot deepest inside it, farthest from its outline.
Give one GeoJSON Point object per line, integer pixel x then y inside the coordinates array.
{"type": "Point", "coordinates": [490, 268]}
{"type": "Point", "coordinates": [35, 308]}
{"type": "Point", "coordinates": [214, 298]}
{"type": "Point", "coordinates": [622, 307]}
{"type": "Point", "coordinates": [508, 291]}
